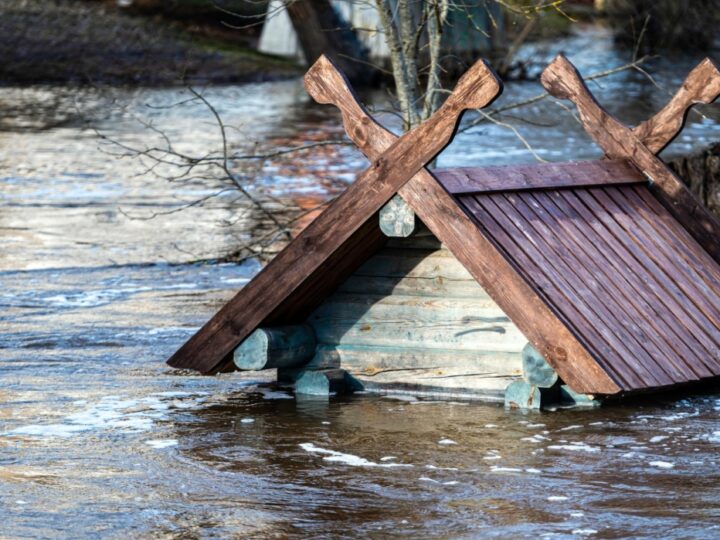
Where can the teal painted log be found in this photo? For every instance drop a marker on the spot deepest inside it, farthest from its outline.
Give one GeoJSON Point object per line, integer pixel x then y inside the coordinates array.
{"type": "Point", "coordinates": [536, 370]}
{"type": "Point", "coordinates": [397, 218]}
{"type": "Point", "coordinates": [569, 396]}
{"type": "Point", "coordinates": [278, 347]}
{"type": "Point", "coordinates": [522, 395]}
{"type": "Point", "coordinates": [325, 382]}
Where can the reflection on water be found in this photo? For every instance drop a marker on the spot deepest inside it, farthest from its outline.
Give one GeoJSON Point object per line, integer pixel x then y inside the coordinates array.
{"type": "Point", "coordinates": [99, 438]}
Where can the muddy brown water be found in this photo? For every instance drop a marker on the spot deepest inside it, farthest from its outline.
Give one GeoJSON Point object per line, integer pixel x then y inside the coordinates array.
{"type": "Point", "coordinates": [98, 438]}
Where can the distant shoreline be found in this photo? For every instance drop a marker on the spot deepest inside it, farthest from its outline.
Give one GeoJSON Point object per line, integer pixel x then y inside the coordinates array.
{"type": "Point", "coordinates": [84, 43]}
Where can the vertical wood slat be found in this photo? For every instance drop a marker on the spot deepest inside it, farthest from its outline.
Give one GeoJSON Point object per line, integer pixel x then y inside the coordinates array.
{"type": "Point", "coordinates": [687, 309]}
{"type": "Point", "coordinates": [666, 258]}
{"type": "Point", "coordinates": [678, 280]}
{"type": "Point", "coordinates": [703, 264]}
{"type": "Point", "coordinates": [587, 283]}
{"type": "Point", "coordinates": [650, 282]}
{"type": "Point", "coordinates": [573, 313]}
{"type": "Point", "coordinates": [648, 306]}
{"type": "Point", "coordinates": [608, 290]}
{"type": "Point", "coordinates": [628, 357]}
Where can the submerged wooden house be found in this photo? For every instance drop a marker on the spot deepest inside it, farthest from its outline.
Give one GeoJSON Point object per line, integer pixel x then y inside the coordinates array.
{"type": "Point", "coordinates": [538, 282]}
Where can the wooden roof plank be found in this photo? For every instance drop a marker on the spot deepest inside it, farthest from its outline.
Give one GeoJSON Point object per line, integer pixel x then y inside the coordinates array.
{"type": "Point", "coordinates": [540, 246]}
{"type": "Point", "coordinates": [655, 249]}
{"type": "Point", "coordinates": [608, 230]}
{"type": "Point", "coordinates": [684, 308]}
{"type": "Point", "coordinates": [538, 176]}
{"type": "Point", "coordinates": [623, 298]}
{"type": "Point", "coordinates": [596, 338]}
{"type": "Point", "coordinates": [704, 265]}
{"type": "Point", "coordinates": [647, 305]}
{"type": "Point", "coordinates": [609, 292]}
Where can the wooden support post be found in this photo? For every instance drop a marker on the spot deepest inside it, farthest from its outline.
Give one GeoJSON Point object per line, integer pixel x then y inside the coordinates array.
{"type": "Point", "coordinates": [536, 370]}
{"type": "Point", "coordinates": [278, 347]}
{"type": "Point", "coordinates": [397, 220]}
{"type": "Point", "coordinates": [324, 382]}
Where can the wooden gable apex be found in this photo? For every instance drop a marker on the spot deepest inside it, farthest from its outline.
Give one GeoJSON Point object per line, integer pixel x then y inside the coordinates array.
{"type": "Point", "coordinates": [458, 207]}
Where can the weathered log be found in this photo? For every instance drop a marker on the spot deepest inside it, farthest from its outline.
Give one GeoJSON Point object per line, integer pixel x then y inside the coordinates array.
{"type": "Point", "coordinates": [536, 370]}
{"type": "Point", "coordinates": [324, 382]}
{"type": "Point", "coordinates": [397, 220]}
{"type": "Point", "coordinates": [569, 396]}
{"type": "Point", "coordinates": [522, 395]}
{"type": "Point", "coordinates": [278, 347]}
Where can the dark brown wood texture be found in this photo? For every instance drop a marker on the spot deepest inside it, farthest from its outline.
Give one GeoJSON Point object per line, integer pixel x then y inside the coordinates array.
{"type": "Point", "coordinates": [301, 263]}
{"type": "Point", "coordinates": [538, 176]}
{"type": "Point", "coordinates": [487, 263]}
{"type": "Point", "coordinates": [618, 141]}
{"type": "Point", "coordinates": [701, 86]}
{"type": "Point", "coordinates": [627, 279]}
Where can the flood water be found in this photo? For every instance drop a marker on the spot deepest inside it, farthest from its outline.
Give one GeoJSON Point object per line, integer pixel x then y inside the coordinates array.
{"type": "Point", "coordinates": [99, 438]}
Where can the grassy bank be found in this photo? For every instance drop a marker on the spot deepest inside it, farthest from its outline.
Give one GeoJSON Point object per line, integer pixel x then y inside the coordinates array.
{"type": "Point", "coordinates": [80, 42]}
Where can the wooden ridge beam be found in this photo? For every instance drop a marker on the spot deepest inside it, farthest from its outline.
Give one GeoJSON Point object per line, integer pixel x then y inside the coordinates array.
{"type": "Point", "coordinates": [563, 81]}
{"type": "Point", "coordinates": [571, 174]}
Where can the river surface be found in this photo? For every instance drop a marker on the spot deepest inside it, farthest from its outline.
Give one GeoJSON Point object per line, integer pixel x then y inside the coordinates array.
{"type": "Point", "coordinates": [99, 438]}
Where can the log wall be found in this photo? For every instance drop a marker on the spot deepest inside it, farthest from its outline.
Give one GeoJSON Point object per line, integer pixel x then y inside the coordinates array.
{"type": "Point", "coordinates": [412, 317]}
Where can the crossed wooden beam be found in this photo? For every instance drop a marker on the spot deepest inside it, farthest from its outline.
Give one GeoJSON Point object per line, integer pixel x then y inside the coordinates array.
{"type": "Point", "coordinates": [209, 349]}
{"type": "Point", "coordinates": [398, 166]}
{"type": "Point", "coordinates": [641, 144]}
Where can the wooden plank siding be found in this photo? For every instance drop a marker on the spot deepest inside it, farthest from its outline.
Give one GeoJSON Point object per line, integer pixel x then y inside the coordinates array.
{"type": "Point", "coordinates": [639, 292]}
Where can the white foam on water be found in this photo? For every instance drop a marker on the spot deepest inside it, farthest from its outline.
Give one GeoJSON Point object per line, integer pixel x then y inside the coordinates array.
{"type": "Point", "coordinates": [268, 393]}
{"type": "Point", "coordinates": [497, 468]}
{"type": "Point", "coordinates": [658, 438]}
{"type": "Point", "coordinates": [446, 441]}
{"type": "Point", "coordinates": [713, 437]}
{"type": "Point", "coordinates": [493, 456]}
{"type": "Point", "coordinates": [124, 415]}
{"type": "Point", "coordinates": [584, 532]}
{"type": "Point", "coordinates": [535, 425]}
{"type": "Point", "coordinates": [161, 443]}
{"type": "Point", "coordinates": [388, 458]}
{"type": "Point", "coordinates": [577, 514]}
{"type": "Point", "coordinates": [436, 468]}
{"type": "Point", "coordinates": [347, 459]}
{"type": "Point", "coordinates": [575, 447]}
{"type": "Point", "coordinates": [490, 426]}
{"type": "Point", "coordinates": [661, 464]}
{"type": "Point", "coordinates": [568, 428]}
{"type": "Point", "coordinates": [557, 498]}
{"type": "Point", "coordinates": [247, 420]}
{"type": "Point", "coordinates": [533, 471]}
{"type": "Point", "coordinates": [325, 423]}
{"type": "Point", "coordinates": [401, 397]}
